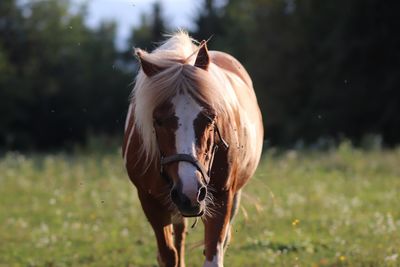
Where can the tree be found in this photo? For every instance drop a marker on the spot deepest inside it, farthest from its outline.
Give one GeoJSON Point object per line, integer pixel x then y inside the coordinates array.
{"type": "Point", "coordinates": [58, 78]}
{"type": "Point", "coordinates": [151, 30]}
{"type": "Point", "coordinates": [319, 69]}
{"type": "Point", "coordinates": [209, 22]}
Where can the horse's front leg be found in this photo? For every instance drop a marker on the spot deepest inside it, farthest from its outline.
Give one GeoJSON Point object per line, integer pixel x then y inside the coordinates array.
{"type": "Point", "coordinates": [216, 230]}
{"type": "Point", "coordinates": [160, 219]}
{"type": "Point", "coordinates": [180, 225]}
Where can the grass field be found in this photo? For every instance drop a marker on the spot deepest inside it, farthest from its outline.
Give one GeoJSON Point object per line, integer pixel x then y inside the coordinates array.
{"type": "Point", "coordinates": [335, 208]}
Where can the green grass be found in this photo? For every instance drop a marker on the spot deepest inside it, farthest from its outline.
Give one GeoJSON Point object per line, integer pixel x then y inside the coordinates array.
{"type": "Point", "coordinates": [336, 208]}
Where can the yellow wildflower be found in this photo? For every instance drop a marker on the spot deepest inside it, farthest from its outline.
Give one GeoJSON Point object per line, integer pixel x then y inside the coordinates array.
{"type": "Point", "coordinates": [295, 222]}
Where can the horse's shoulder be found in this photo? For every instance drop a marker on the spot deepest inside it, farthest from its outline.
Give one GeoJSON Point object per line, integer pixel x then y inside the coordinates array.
{"type": "Point", "coordinates": [229, 63]}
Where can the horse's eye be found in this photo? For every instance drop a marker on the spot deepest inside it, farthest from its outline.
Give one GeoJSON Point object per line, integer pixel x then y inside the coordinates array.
{"type": "Point", "coordinates": [210, 118]}
{"type": "Point", "coordinates": [158, 122]}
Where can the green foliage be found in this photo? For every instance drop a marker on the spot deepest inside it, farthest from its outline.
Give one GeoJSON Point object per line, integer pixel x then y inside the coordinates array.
{"type": "Point", "coordinates": [59, 79]}
{"type": "Point", "coordinates": [337, 208]}
{"type": "Point", "coordinates": [151, 30]}
{"type": "Point", "coordinates": [319, 68]}
{"type": "Point", "coordinates": [209, 23]}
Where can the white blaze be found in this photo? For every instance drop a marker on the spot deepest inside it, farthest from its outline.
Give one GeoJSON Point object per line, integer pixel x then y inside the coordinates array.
{"type": "Point", "coordinates": [187, 110]}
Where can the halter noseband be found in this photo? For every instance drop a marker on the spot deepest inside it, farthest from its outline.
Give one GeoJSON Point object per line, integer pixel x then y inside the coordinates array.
{"type": "Point", "coordinates": [195, 162]}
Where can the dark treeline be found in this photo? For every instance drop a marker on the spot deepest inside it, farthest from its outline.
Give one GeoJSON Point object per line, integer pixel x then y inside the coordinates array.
{"type": "Point", "coordinates": [320, 69]}
{"type": "Point", "coordinates": [59, 80]}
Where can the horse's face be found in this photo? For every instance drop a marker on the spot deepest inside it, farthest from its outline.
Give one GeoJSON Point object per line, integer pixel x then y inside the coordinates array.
{"type": "Point", "coordinates": [183, 126]}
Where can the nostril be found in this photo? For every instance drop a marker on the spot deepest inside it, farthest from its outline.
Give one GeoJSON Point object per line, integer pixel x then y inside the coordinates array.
{"type": "Point", "coordinates": [174, 196]}
{"type": "Point", "coordinates": [202, 194]}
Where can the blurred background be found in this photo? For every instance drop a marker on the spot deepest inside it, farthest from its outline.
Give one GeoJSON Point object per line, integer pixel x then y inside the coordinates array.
{"type": "Point", "coordinates": [323, 71]}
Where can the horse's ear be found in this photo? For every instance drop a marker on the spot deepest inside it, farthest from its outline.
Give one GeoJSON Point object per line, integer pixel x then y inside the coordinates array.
{"type": "Point", "coordinates": [148, 68]}
{"type": "Point", "coordinates": [203, 59]}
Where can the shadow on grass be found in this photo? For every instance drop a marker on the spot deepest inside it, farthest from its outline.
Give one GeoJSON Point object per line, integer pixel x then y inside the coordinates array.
{"type": "Point", "coordinates": [284, 247]}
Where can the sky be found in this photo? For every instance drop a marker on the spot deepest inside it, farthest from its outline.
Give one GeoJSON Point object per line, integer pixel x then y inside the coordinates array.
{"type": "Point", "coordinates": [178, 14]}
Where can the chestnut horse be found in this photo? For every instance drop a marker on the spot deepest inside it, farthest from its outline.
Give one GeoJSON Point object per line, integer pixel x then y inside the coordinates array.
{"type": "Point", "coordinates": [193, 138]}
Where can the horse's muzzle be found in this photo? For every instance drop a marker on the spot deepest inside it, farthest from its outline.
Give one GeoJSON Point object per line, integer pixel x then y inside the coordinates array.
{"type": "Point", "coordinates": [186, 207]}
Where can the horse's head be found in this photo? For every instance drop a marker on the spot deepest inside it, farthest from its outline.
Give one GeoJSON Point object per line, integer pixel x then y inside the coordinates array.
{"type": "Point", "coordinates": [186, 132]}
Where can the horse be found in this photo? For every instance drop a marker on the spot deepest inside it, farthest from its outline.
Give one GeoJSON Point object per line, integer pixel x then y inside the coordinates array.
{"type": "Point", "coordinates": [193, 138]}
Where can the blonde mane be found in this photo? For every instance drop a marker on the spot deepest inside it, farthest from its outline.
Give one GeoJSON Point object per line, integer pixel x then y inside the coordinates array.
{"type": "Point", "coordinates": [176, 56]}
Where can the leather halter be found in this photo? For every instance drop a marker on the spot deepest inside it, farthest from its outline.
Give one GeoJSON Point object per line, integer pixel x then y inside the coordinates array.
{"type": "Point", "coordinates": [195, 162]}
